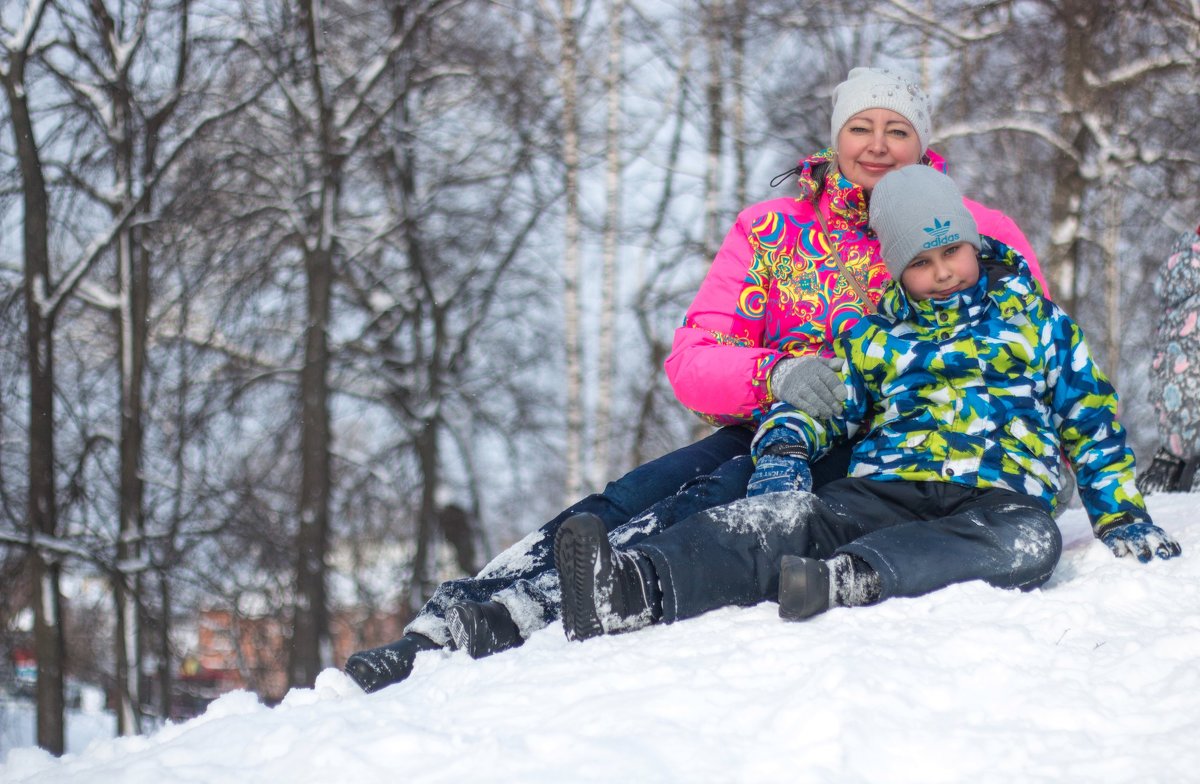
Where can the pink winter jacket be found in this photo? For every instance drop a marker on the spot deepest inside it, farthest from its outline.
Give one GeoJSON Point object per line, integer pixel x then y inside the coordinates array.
{"type": "Point", "coordinates": [772, 293]}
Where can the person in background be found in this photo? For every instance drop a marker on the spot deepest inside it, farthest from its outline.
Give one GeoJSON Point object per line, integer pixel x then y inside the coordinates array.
{"type": "Point", "coordinates": [791, 274]}
{"type": "Point", "coordinates": [968, 383]}
{"type": "Point", "coordinates": [1175, 371]}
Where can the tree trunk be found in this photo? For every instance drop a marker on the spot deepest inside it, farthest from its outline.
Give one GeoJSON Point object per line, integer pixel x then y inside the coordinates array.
{"type": "Point", "coordinates": [312, 646]}
{"type": "Point", "coordinates": [1066, 201]}
{"type": "Point", "coordinates": [165, 681]}
{"type": "Point", "coordinates": [568, 75]}
{"type": "Point", "coordinates": [612, 230]}
{"type": "Point", "coordinates": [713, 97]}
{"type": "Point", "coordinates": [1114, 202]}
{"type": "Point", "coordinates": [427, 516]}
{"type": "Point", "coordinates": [737, 23]}
{"type": "Point", "coordinates": [310, 619]}
{"type": "Point", "coordinates": [41, 510]}
{"type": "Point", "coordinates": [133, 294]}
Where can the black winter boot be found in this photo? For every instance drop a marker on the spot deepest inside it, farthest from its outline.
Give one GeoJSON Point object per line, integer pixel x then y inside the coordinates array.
{"type": "Point", "coordinates": [482, 628]}
{"type": "Point", "coordinates": [604, 591]}
{"type": "Point", "coordinates": [378, 667]}
{"type": "Point", "coordinates": [809, 586]}
{"type": "Point", "coordinates": [803, 587]}
{"type": "Point", "coordinates": [1187, 475]}
{"type": "Point", "coordinates": [1163, 475]}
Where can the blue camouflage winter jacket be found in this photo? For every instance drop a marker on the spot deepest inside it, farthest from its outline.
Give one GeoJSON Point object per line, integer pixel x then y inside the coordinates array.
{"type": "Point", "coordinates": [979, 389]}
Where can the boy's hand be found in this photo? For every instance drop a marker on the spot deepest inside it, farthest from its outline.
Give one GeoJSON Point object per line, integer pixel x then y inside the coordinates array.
{"type": "Point", "coordinates": [778, 474]}
{"type": "Point", "coordinates": [1144, 540]}
{"type": "Point", "coordinates": [811, 384]}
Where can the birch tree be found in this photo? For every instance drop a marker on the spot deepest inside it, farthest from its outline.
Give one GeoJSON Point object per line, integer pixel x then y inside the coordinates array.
{"type": "Point", "coordinates": [610, 263]}
{"type": "Point", "coordinates": [567, 26]}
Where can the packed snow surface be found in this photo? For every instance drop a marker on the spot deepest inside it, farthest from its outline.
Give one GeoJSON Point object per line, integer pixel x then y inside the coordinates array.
{"type": "Point", "coordinates": [1095, 677]}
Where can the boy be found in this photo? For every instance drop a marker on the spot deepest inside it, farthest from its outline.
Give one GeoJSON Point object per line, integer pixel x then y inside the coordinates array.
{"type": "Point", "coordinates": [969, 383]}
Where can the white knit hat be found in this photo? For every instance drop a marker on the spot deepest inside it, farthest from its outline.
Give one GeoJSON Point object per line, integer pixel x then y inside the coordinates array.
{"type": "Point", "coordinates": [918, 208]}
{"type": "Point", "coordinates": [881, 88]}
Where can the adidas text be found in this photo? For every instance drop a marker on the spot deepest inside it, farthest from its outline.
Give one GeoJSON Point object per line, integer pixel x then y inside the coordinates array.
{"type": "Point", "coordinates": [938, 242]}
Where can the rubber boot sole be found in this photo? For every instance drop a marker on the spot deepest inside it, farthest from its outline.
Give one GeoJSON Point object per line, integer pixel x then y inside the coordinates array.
{"type": "Point", "coordinates": [462, 625]}
{"type": "Point", "coordinates": [576, 553]}
{"type": "Point", "coordinates": [803, 587]}
{"type": "Point", "coordinates": [473, 631]}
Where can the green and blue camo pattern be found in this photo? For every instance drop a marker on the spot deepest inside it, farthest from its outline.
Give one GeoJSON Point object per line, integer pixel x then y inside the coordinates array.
{"type": "Point", "coordinates": [981, 389]}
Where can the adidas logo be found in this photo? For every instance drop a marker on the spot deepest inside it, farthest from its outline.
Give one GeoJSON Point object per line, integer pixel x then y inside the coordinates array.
{"type": "Point", "coordinates": [941, 235]}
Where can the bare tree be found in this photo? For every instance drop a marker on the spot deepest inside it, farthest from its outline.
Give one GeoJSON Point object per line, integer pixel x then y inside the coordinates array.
{"type": "Point", "coordinates": [40, 308]}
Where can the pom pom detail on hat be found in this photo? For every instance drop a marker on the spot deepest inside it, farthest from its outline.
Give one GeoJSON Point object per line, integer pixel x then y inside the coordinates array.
{"type": "Point", "coordinates": [917, 208]}
{"type": "Point", "coordinates": [881, 88]}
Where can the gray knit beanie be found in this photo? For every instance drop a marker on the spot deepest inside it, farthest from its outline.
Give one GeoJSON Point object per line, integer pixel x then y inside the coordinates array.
{"type": "Point", "coordinates": [881, 88]}
{"type": "Point", "coordinates": [915, 209]}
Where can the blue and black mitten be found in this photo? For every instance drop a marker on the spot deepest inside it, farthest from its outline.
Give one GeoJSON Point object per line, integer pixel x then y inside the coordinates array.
{"type": "Point", "coordinates": [1144, 540]}
{"type": "Point", "coordinates": [780, 465]}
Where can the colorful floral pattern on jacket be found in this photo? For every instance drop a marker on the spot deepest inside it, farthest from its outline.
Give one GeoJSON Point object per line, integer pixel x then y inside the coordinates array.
{"type": "Point", "coordinates": [1176, 365]}
{"type": "Point", "coordinates": [795, 273]}
{"type": "Point", "coordinates": [774, 290]}
{"type": "Point", "coordinates": [980, 389]}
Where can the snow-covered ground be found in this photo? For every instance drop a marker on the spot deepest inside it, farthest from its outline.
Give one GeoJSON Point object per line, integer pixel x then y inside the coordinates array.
{"type": "Point", "coordinates": [1094, 678]}
{"type": "Point", "coordinates": [18, 723]}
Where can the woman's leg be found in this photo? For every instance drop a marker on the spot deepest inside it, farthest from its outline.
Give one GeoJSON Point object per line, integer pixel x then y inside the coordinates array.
{"type": "Point", "coordinates": [519, 573]}
{"type": "Point", "coordinates": [535, 603]}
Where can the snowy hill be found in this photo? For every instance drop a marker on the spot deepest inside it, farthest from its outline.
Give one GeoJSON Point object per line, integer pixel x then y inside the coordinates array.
{"type": "Point", "coordinates": [1095, 678]}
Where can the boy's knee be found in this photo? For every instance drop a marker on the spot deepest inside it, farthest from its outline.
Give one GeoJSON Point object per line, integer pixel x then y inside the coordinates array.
{"type": "Point", "coordinates": [1036, 548]}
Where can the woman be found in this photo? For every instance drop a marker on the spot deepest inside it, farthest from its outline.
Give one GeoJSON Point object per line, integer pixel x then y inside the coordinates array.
{"type": "Point", "coordinates": [775, 293]}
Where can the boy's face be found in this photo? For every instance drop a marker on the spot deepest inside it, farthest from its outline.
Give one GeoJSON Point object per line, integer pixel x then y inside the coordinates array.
{"type": "Point", "coordinates": [940, 272]}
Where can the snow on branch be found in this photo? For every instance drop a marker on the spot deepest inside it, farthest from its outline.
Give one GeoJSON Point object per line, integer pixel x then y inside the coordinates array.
{"type": "Point", "coordinates": [49, 544]}
{"type": "Point", "coordinates": [1132, 72]}
{"type": "Point", "coordinates": [910, 15]}
{"type": "Point", "coordinates": [977, 127]}
{"type": "Point", "coordinates": [22, 39]}
{"type": "Point", "coordinates": [93, 251]}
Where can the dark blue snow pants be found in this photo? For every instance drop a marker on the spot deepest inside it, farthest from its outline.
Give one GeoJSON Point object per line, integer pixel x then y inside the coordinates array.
{"type": "Point", "coordinates": [645, 501]}
{"type": "Point", "coordinates": [919, 537]}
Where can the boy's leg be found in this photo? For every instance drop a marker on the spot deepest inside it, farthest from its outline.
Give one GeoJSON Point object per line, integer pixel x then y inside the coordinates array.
{"type": "Point", "coordinates": [730, 555]}
{"type": "Point", "coordinates": [956, 534]}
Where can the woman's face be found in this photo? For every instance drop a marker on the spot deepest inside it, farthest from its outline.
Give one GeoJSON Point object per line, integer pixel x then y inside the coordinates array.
{"type": "Point", "coordinates": [873, 143]}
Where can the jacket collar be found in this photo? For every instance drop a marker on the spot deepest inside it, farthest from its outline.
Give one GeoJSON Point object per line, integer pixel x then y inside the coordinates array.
{"type": "Point", "coordinates": [844, 199]}
{"type": "Point", "coordinates": [1005, 282]}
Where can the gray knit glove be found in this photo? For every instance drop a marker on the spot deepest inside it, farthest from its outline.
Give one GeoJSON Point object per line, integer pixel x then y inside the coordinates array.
{"type": "Point", "coordinates": [811, 384]}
